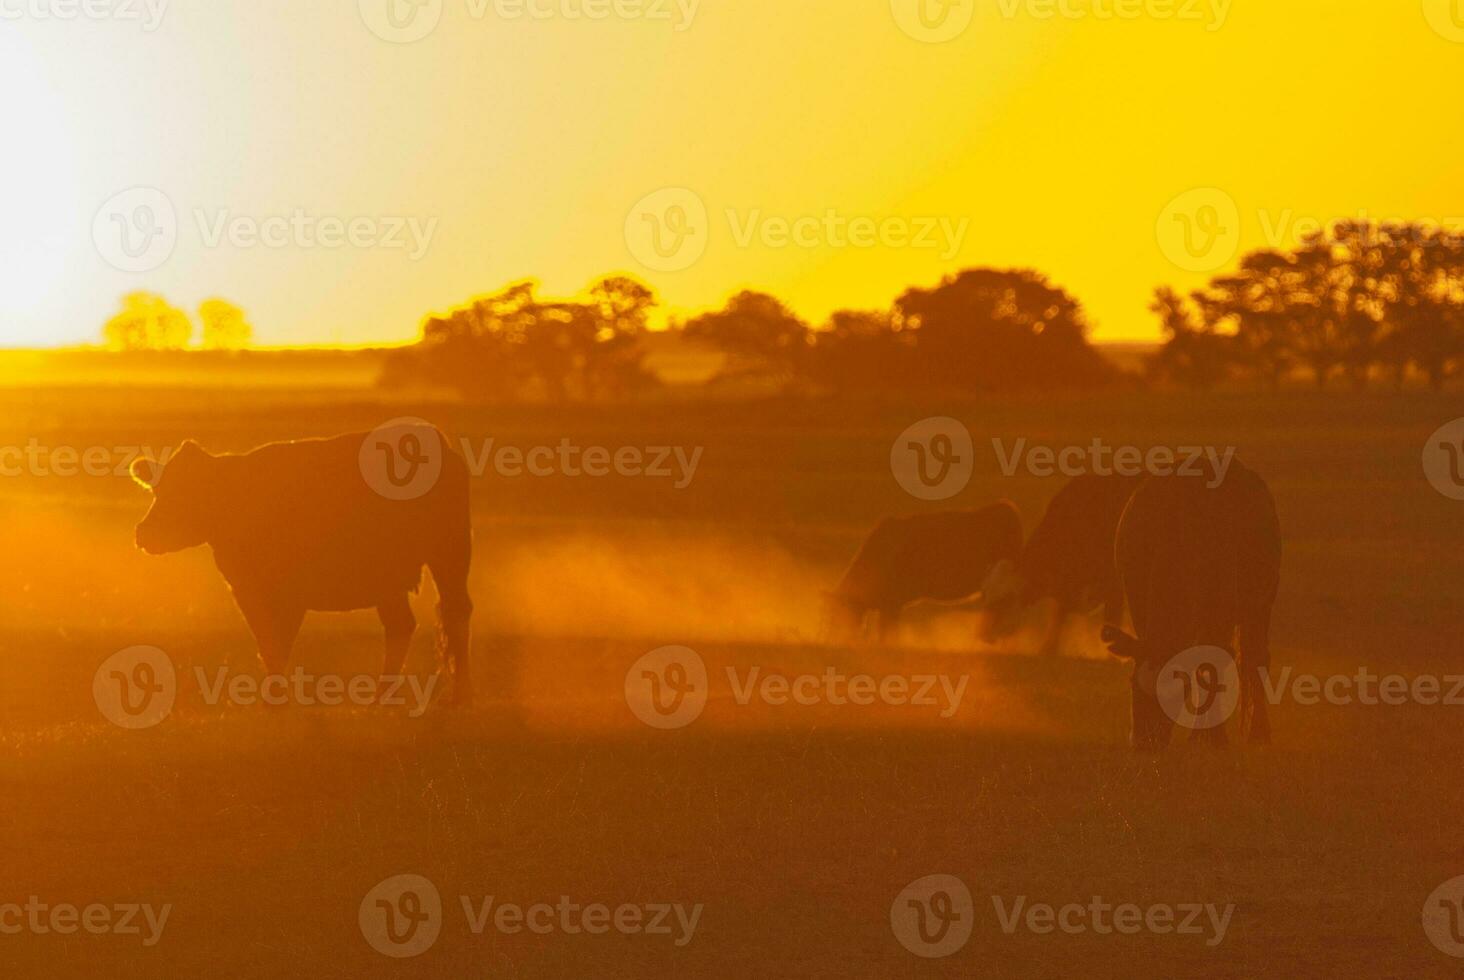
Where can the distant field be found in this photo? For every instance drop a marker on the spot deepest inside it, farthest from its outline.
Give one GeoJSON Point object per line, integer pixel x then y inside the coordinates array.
{"type": "Point", "coordinates": [794, 827]}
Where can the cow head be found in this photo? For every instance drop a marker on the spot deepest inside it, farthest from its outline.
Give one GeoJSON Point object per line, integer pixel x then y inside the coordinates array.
{"type": "Point", "coordinates": [184, 490]}
{"type": "Point", "coordinates": [1003, 600]}
{"type": "Point", "coordinates": [1151, 723]}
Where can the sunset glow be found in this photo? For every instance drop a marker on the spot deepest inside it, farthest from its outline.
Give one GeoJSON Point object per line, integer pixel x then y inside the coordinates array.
{"type": "Point", "coordinates": [522, 135]}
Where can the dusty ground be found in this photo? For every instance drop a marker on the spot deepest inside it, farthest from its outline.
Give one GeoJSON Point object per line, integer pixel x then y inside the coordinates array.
{"type": "Point", "coordinates": [793, 827]}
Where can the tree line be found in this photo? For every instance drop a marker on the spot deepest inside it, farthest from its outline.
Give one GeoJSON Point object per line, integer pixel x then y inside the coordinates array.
{"type": "Point", "coordinates": [981, 329]}
{"type": "Point", "coordinates": [148, 321]}
{"type": "Point", "coordinates": [1359, 301]}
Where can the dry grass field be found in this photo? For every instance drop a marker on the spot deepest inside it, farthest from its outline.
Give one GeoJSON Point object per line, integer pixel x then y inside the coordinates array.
{"type": "Point", "coordinates": [793, 827]}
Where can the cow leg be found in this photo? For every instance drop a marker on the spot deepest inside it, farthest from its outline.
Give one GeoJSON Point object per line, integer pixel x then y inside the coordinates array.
{"type": "Point", "coordinates": [889, 622]}
{"type": "Point", "coordinates": [1113, 605]}
{"type": "Point", "coordinates": [1254, 647]}
{"type": "Point", "coordinates": [397, 619]}
{"type": "Point", "coordinates": [454, 614]}
{"type": "Point", "coordinates": [275, 626]}
{"type": "Point", "coordinates": [1052, 645]}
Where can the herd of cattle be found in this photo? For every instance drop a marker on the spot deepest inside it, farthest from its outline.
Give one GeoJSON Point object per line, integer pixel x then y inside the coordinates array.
{"type": "Point", "coordinates": [294, 527]}
{"type": "Point", "coordinates": [1196, 559]}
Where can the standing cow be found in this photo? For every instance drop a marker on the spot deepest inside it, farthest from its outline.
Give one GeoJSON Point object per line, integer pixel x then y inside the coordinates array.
{"type": "Point", "coordinates": [1069, 558]}
{"type": "Point", "coordinates": [1200, 564]}
{"type": "Point", "coordinates": [944, 556]}
{"type": "Point", "coordinates": [320, 525]}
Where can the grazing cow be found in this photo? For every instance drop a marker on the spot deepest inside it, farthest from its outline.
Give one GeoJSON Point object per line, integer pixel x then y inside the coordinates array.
{"type": "Point", "coordinates": [943, 556]}
{"type": "Point", "coordinates": [1200, 565]}
{"type": "Point", "coordinates": [1068, 558]}
{"type": "Point", "coordinates": [298, 526]}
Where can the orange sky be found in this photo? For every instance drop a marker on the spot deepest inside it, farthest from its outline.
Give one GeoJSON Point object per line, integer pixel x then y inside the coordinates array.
{"type": "Point", "coordinates": [294, 158]}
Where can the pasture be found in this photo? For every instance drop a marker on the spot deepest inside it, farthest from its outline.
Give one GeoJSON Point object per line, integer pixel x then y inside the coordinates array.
{"type": "Point", "coordinates": [794, 827]}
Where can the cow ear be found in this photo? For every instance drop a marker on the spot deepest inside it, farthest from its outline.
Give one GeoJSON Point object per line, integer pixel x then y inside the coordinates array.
{"type": "Point", "coordinates": [1121, 644]}
{"type": "Point", "coordinates": [146, 472]}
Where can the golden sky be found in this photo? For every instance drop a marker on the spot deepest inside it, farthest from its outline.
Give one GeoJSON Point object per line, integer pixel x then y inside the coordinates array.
{"type": "Point", "coordinates": [294, 157]}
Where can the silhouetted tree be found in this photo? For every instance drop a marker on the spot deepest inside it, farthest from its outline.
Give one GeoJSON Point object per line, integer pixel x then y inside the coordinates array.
{"type": "Point", "coordinates": [758, 332]}
{"type": "Point", "coordinates": [1000, 329]}
{"type": "Point", "coordinates": [224, 326]}
{"type": "Point", "coordinates": [1194, 354]}
{"type": "Point", "coordinates": [510, 344]}
{"type": "Point", "coordinates": [623, 305]}
{"type": "Point", "coordinates": [1352, 298]}
{"type": "Point", "coordinates": [1423, 279]}
{"type": "Point", "coordinates": [1357, 297]}
{"type": "Point", "coordinates": [860, 350]}
{"type": "Point", "coordinates": [147, 321]}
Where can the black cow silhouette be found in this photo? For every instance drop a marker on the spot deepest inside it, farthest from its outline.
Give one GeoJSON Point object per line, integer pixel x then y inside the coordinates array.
{"type": "Point", "coordinates": [298, 526]}
{"type": "Point", "coordinates": [1069, 558]}
{"type": "Point", "coordinates": [943, 556]}
{"type": "Point", "coordinates": [1201, 564]}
